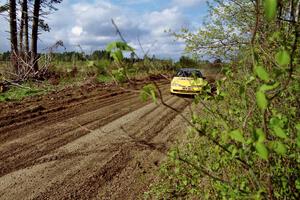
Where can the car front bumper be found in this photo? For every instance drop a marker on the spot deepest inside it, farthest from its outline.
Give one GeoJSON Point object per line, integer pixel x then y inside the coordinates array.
{"type": "Point", "coordinates": [185, 90]}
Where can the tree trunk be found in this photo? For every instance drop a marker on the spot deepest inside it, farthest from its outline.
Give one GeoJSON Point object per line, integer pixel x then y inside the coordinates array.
{"type": "Point", "coordinates": [24, 29]}
{"type": "Point", "coordinates": [21, 30]}
{"type": "Point", "coordinates": [13, 34]}
{"type": "Point", "coordinates": [34, 35]}
{"type": "Point", "coordinates": [24, 45]}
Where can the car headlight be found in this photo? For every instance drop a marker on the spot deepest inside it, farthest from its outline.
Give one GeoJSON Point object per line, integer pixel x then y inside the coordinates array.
{"type": "Point", "coordinates": [176, 85]}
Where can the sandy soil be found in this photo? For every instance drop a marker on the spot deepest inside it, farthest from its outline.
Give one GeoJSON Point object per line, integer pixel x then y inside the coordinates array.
{"type": "Point", "coordinates": [89, 143]}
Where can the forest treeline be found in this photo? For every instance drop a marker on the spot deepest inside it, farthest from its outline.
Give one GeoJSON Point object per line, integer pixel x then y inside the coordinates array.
{"type": "Point", "coordinates": [24, 29]}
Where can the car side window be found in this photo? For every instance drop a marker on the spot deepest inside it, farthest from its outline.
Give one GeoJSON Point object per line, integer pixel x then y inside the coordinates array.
{"type": "Point", "coordinates": [180, 74]}
{"type": "Point", "coordinates": [198, 74]}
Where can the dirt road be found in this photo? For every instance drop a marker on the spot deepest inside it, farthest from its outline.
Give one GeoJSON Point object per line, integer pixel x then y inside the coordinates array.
{"type": "Point", "coordinates": [94, 143]}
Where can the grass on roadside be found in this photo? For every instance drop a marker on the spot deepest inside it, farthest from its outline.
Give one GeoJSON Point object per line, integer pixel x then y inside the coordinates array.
{"type": "Point", "coordinates": [17, 93]}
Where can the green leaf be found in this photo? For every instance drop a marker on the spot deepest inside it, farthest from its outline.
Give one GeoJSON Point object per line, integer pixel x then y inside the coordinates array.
{"type": "Point", "coordinates": [279, 147]}
{"type": "Point", "coordinates": [283, 58]}
{"type": "Point", "coordinates": [298, 127]}
{"type": "Point", "coordinates": [298, 135]}
{"type": "Point", "coordinates": [262, 150]}
{"type": "Point", "coordinates": [270, 7]}
{"type": "Point", "coordinates": [261, 100]}
{"type": "Point", "coordinates": [261, 135]}
{"type": "Point", "coordinates": [124, 46]}
{"type": "Point", "coordinates": [116, 49]}
{"type": "Point", "coordinates": [118, 45]}
{"type": "Point", "coordinates": [117, 55]}
{"type": "Point", "coordinates": [266, 87]}
{"type": "Point", "coordinates": [153, 95]}
{"type": "Point", "coordinates": [279, 132]}
{"type": "Point", "coordinates": [298, 140]}
{"type": "Point", "coordinates": [237, 135]}
{"type": "Point", "coordinates": [297, 184]}
{"type": "Point", "coordinates": [111, 46]}
{"type": "Point", "coordinates": [234, 152]}
{"type": "Point", "coordinates": [148, 91]}
{"type": "Point", "coordinates": [262, 73]}
{"type": "Point", "coordinates": [275, 121]}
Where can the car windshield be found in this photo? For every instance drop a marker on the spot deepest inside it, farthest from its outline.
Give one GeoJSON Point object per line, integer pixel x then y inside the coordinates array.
{"type": "Point", "coordinates": [189, 73]}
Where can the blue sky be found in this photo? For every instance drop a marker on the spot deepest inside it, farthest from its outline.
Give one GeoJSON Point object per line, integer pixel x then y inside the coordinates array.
{"type": "Point", "coordinates": [88, 23]}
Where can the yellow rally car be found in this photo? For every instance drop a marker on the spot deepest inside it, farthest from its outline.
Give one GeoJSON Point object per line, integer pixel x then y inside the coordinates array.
{"type": "Point", "coordinates": [187, 81]}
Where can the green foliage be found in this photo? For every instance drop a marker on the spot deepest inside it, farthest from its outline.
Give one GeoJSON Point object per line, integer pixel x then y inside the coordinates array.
{"type": "Point", "coordinates": [279, 132]}
{"type": "Point", "coordinates": [265, 87]}
{"type": "Point", "coordinates": [279, 147]}
{"type": "Point", "coordinates": [117, 55]}
{"type": "Point", "coordinates": [262, 73]}
{"type": "Point", "coordinates": [101, 65]}
{"type": "Point", "coordinates": [116, 48]}
{"type": "Point", "coordinates": [261, 100]}
{"type": "Point", "coordinates": [224, 33]}
{"type": "Point", "coordinates": [104, 78]}
{"type": "Point", "coordinates": [261, 136]}
{"type": "Point", "coordinates": [283, 58]}
{"type": "Point", "coordinates": [118, 45]}
{"type": "Point", "coordinates": [298, 135]}
{"type": "Point", "coordinates": [149, 91]}
{"type": "Point", "coordinates": [247, 140]}
{"type": "Point", "coordinates": [186, 62]}
{"type": "Point", "coordinates": [262, 150]}
{"type": "Point", "coordinates": [270, 7]}
{"type": "Point", "coordinates": [119, 75]}
{"type": "Point", "coordinates": [19, 93]}
{"type": "Point", "coordinates": [237, 135]}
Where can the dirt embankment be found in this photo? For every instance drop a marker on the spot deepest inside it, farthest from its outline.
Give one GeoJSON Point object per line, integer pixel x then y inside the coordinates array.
{"type": "Point", "coordinates": [89, 143]}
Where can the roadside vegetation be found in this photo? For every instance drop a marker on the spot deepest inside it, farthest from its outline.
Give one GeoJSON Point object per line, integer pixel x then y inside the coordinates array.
{"type": "Point", "coordinates": [74, 69]}
{"type": "Point", "coordinates": [245, 144]}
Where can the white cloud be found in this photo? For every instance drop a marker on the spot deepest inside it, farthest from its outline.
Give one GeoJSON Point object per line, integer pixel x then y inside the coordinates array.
{"type": "Point", "coordinates": [170, 18]}
{"type": "Point", "coordinates": [135, 2]}
{"type": "Point", "coordinates": [89, 24]}
{"type": "Point", "coordinates": [77, 30]}
{"type": "Point", "coordinates": [187, 3]}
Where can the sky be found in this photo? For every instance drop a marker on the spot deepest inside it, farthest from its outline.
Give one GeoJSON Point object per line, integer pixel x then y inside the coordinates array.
{"type": "Point", "coordinates": [143, 23]}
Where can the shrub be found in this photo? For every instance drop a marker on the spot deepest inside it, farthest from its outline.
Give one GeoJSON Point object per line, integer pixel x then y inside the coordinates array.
{"type": "Point", "coordinates": [245, 144]}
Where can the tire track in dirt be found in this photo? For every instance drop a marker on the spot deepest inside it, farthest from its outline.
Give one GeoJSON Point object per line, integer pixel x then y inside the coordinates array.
{"type": "Point", "coordinates": [30, 116]}
{"type": "Point", "coordinates": [126, 153]}
{"type": "Point", "coordinates": [47, 139]}
{"type": "Point", "coordinates": [10, 128]}
{"type": "Point", "coordinates": [85, 156]}
{"type": "Point", "coordinates": [146, 155]}
{"type": "Point", "coordinates": [71, 125]}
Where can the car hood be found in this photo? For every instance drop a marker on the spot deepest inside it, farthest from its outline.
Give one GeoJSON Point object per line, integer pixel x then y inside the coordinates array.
{"type": "Point", "coordinates": [188, 81]}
